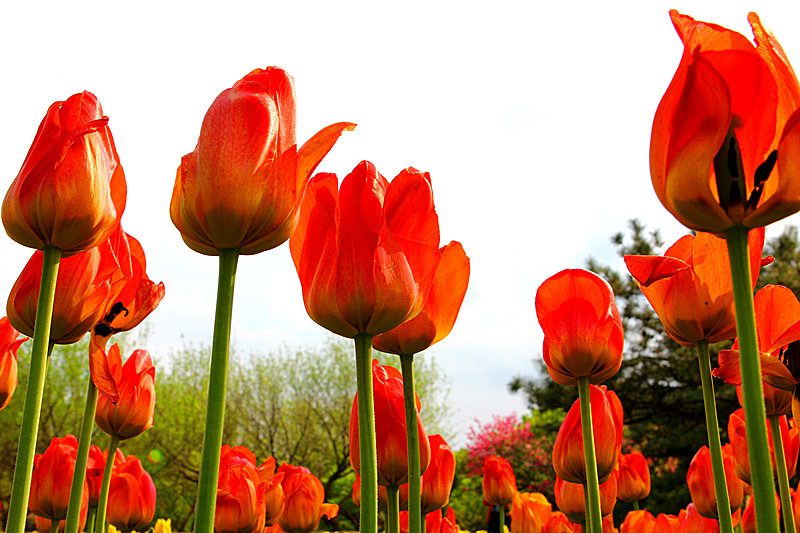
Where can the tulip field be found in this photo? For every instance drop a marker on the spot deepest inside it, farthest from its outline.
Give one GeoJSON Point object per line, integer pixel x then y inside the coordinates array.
{"type": "Point", "coordinates": [343, 438]}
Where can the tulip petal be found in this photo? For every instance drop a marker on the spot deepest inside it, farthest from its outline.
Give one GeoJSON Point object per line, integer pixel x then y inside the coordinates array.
{"type": "Point", "coordinates": [316, 148]}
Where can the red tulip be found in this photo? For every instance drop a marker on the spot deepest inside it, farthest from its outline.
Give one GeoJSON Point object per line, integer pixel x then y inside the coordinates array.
{"type": "Point", "coordinates": [737, 434]}
{"type": "Point", "coordinates": [667, 523]}
{"type": "Point", "coordinates": [634, 477]}
{"type": "Point", "coordinates": [582, 327]}
{"type": "Point", "coordinates": [437, 481]}
{"type": "Point", "coordinates": [530, 511]}
{"type": "Point", "coordinates": [568, 457]}
{"type": "Point", "coordinates": [240, 500]}
{"type": "Point", "coordinates": [558, 523]}
{"type": "Point", "coordinates": [43, 525]}
{"type": "Point", "coordinates": [690, 287]}
{"type": "Point", "coordinates": [436, 523]}
{"type": "Point", "coordinates": [694, 522]}
{"type": "Point", "coordinates": [390, 429]}
{"type": "Point", "coordinates": [638, 522]}
{"type": "Point", "coordinates": [383, 496]}
{"type": "Point", "coordinates": [749, 514]}
{"type": "Point", "coordinates": [70, 192]}
{"type": "Point", "coordinates": [304, 503]}
{"type": "Point", "coordinates": [9, 344]}
{"type": "Point", "coordinates": [52, 479]}
{"type": "Point", "coordinates": [438, 317]}
{"type": "Point", "coordinates": [94, 471]}
{"type": "Point", "coordinates": [135, 381]}
{"type": "Point", "coordinates": [366, 254]}
{"type": "Point", "coordinates": [570, 498]}
{"type": "Point", "coordinates": [242, 185]}
{"type": "Point", "coordinates": [725, 135]}
{"type": "Point", "coordinates": [131, 496]}
{"type": "Point", "coordinates": [499, 482]}
{"type": "Point", "coordinates": [700, 479]}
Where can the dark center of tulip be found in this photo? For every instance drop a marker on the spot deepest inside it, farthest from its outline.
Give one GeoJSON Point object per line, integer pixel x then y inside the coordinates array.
{"type": "Point", "coordinates": [103, 328]}
{"type": "Point", "coordinates": [790, 356]}
{"type": "Point", "coordinates": [729, 172]}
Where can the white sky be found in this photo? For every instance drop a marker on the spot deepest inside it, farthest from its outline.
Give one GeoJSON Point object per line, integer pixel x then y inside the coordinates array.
{"type": "Point", "coordinates": [533, 119]}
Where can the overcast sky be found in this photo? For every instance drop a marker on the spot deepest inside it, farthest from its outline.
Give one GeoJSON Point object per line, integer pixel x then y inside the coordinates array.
{"type": "Point", "coordinates": [533, 119]}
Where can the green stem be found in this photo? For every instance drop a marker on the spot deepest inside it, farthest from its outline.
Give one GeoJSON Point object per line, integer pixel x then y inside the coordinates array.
{"type": "Point", "coordinates": [91, 516]}
{"type": "Point", "coordinates": [502, 518]}
{"type": "Point", "coordinates": [636, 505]}
{"type": "Point", "coordinates": [752, 390]}
{"type": "Point", "coordinates": [393, 509]}
{"type": "Point", "coordinates": [412, 441]}
{"type": "Point", "coordinates": [714, 444]}
{"type": "Point", "coordinates": [21, 486]}
{"type": "Point", "coordinates": [783, 473]}
{"type": "Point", "coordinates": [587, 523]}
{"type": "Point", "coordinates": [593, 515]}
{"type": "Point", "coordinates": [54, 526]}
{"type": "Point", "coordinates": [217, 388]}
{"type": "Point", "coordinates": [102, 503]}
{"type": "Point", "coordinates": [366, 435]}
{"type": "Point", "coordinates": [79, 475]}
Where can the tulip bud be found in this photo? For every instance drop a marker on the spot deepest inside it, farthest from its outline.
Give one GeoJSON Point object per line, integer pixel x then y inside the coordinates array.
{"type": "Point", "coordinates": [131, 496]}
{"type": "Point", "coordinates": [638, 522]}
{"type": "Point", "coordinates": [52, 479]}
{"type": "Point", "coordinates": [499, 482]}
{"type": "Point", "coordinates": [133, 413]}
{"type": "Point", "coordinates": [8, 361]}
{"type": "Point", "coordinates": [570, 498]}
{"type": "Point", "coordinates": [634, 477]}
{"type": "Point", "coordinates": [700, 479]}
{"type": "Point", "coordinates": [304, 503]}
{"type": "Point", "coordinates": [529, 512]}
{"type": "Point", "coordinates": [437, 481]}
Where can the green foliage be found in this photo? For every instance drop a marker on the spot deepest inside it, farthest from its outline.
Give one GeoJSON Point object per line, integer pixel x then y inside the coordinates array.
{"type": "Point", "coordinates": [292, 404]}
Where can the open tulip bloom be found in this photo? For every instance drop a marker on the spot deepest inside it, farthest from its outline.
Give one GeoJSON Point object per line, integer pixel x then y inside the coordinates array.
{"type": "Point", "coordinates": [723, 159]}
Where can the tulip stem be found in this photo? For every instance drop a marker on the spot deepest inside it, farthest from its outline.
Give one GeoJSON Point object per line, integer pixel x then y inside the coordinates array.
{"type": "Point", "coordinates": [28, 433]}
{"type": "Point", "coordinates": [412, 441]}
{"type": "Point", "coordinates": [79, 475]}
{"type": "Point", "coordinates": [393, 509]}
{"type": "Point", "coordinates": [593, 516]}
{"type": "Point", "coordinates": [783, 473]}
{"type": "Point", "coordinates": [636, 505]}
{"type": "Point", "coordinates": [587, 524]}
{"type": "Point", "coordinates": [714, 444]}
{"type": "Point", "coordinates": [752, 389]}
{"type": "Point", "coordinates": [91, 516]}
{"type": "Point", "coordinates": [54, 526]}
{"type": "Point", "coordinates": [502, 518]}
{"type": "Point", "coordinates": [100, 525]}
{"type": "Point", "coordinates": [217, 389]}
{"type": "Point", "coordinates": [366, 435]}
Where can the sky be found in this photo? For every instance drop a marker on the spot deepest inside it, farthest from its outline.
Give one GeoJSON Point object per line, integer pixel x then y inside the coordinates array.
{"type": "Point", "coordinates": [532, 118]}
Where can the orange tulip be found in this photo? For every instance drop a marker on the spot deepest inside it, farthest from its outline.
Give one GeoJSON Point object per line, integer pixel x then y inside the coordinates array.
{"type": "Point", "coordinates": [499, 482]}
{"type": "Point", "coordinates": [558, 523]}
{"type": "Point", "coordinates": [436, 523]}
{"type": "Point", "coordinates": [241, 506]}
{"type": "Point", "coordinates": [694, 522]}
{"type": "Point", "coordinates": [667, 523]}
{"type": "Point", "coordinates": [638, 522]}
{"type": "Point", "coordinates": [568, 457]}
{"type": "Point", "coordinates": [634, 477]}
{"type": "Point", "coordinates": [437, 481]}
{"type": "Point", "coordinates": [94, 471]}
{"type": "Point", "coordinates": [70, 192]}
{"type": "Point", "coordinates": [529, 512]}
{"type": "Point", "coordinates": [737, 434]}
{"type": "Point", "coordinates": [131, 496]}
{"type": "Point", "coordinates": [582, 327]}
{"type": "Point", "coordinates": [438, 317]}
{"type": "Point", "coordinates": [242, 185]}
{"type": "Point", "coordinates": [52, 479]}
{"type": "Point", "coordinates": [304, 503]}
{"type": "Point", "coordinates": [725, 135]}
{"type": "Point", "coordinates": [43, 525]}
{"type": "Point", "coordinates": [795, 505]}
{"type": "Point", "coordinates": [390, 429]}
{"type": "Point", "coordinates": [9, 344]}
{"type": "Point", "coordinates": [700, 479]}
{"type": "Point", "coordinates": [690, 287]}
{"type": "Point", "coordinates": [570, 498]}
{"type": "Point", "coordinates": [749, 514]}
{"type": "Point", "coordinates": [778, 327]}
{"type": "Point", "coordinates": [135, 381]}
{"type": "Point", "coordinates": [366, 254]}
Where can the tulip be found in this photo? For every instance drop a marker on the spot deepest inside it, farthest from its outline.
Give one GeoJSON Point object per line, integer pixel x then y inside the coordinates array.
{"type": "Point", "coordinates": [94, 471]}
{"type": "Point", "coordinates": [568, 454]}
{"type": "Point", "coordinates": [52, 477]}
{"type": "Point", "coordinates": [529, 512]}
{"type": "Point", "coordinates": [383, 497]}
{"type": "Point", "coordinates": [724, 135]}
{"type": "Point", "coordinates": [738, 438]}
{"type": "Point", "coordinates": [135, 380]}
{"type": "Point", "coordinates": [131, 496]}
{"type": "Point", "coordinates": [9, 344]}
{"type": "Point", "coordinates": [163, 526]}
{"type": "Point", "coordinates": [242, 185]}
{"type": "Point", "coordinates": [558, 523]}
{"type": "Point", "coordinates": [366, 254]}
{"type": "Point", "coordinates": [304, 503]}
{"type": "Point", "coordinates": [690, 286]}
{"type": "Point", "coordinates": [570, 498]}
{"type": "Point", "coordinates": [436, 523]}
{"type": "Point", "coordinates": [43, 525]}
{"type": "Point", "coordinates": [638, 522]}
{"type": "Point", "coordinates": [701, 482]}
{"type": "Point", "coordinates": [439, 314]}
{"type": "Point", "coordinates": [634, 477]}
{"type": "Point", "coordinates": [749, 514]}
{"type": "Point", "coordinates": [667, 523]}
{"type": "Point", "coordinates": [582, 327]}
{"type": "Point", "coordinates": [499, 482]}
{"type": "Point", "coordinates": [437, 481]}
{"type": "Point", "coordinates": [390, 429]}
{"type": "Point", "coordinates": [70, 191]}
{"type": "Point", "coordinates": [240, 500]}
